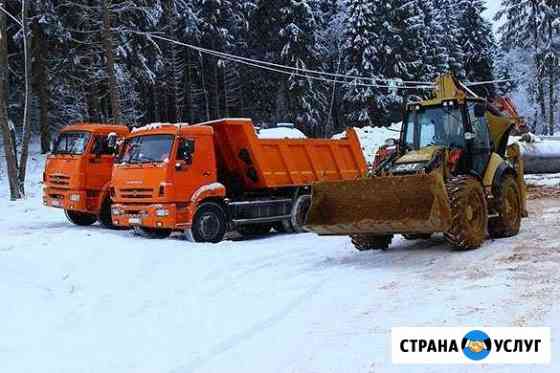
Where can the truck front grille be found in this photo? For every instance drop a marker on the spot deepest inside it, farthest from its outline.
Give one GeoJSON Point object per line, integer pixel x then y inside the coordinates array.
{"type": "Point", "coordinates": [60, 181]}
{"type": "Point", "coordinates": [136, 193]}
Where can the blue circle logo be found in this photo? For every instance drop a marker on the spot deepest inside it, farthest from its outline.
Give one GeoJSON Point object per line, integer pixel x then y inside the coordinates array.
{"type": "Point", "coordinates": [476, 345]}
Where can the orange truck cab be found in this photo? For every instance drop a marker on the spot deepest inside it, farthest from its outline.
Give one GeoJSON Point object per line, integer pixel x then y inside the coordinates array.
{"type": "Point", "coordinates": [78, 172]}
{"type": "Point", "coordinates": [214, 177]}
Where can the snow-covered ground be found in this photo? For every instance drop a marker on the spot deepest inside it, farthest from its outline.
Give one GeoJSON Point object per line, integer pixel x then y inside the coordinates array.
{"type": "Point", "coordinates": [91, 300]}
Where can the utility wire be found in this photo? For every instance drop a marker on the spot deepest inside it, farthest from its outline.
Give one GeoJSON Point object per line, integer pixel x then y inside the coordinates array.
{"type": "Point", "coordinates": [295, 71]}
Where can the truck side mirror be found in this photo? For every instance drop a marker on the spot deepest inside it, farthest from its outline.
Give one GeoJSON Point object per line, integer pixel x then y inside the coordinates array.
{"type": "Point", "coordinates": [186, 150]}
{"type": "Point", "coordinates": [112, 140]}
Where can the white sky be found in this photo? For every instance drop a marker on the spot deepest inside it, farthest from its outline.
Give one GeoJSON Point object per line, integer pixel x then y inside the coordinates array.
{"type": "Point", "coordinates": [493, 6]}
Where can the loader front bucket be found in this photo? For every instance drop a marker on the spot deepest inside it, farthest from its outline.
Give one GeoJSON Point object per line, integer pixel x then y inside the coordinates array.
{"type": "Point", "coordinates": [382, 205]}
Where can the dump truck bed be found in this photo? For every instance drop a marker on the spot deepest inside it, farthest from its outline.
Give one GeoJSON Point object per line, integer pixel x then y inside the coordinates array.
{"type": "Point", "coordinates": [278, 163]}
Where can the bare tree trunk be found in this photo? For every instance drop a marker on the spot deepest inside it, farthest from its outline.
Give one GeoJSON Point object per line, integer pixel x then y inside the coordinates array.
{"type": "Point", "coordinates": [9, 146]}
{"type": "Point", "coordinates": [110, 62]}
{"type": "Point", "coordinates": [26, 135]}
{"type": "Point", "coordinates": [551, 99]}
{"type": "Point", "coordinates": [188, 103]}
{"type": "Point", "coordinates": [40, 82]}
{"type": "Point", "coordinates": [216, 77]}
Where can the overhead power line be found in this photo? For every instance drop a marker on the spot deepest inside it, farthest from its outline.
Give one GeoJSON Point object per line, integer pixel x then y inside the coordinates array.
{"type": "Point", "coordinates": [299, 72]}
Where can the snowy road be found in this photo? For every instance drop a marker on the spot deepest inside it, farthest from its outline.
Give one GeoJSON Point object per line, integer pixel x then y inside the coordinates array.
{"type": "Point", "coordinates": [90, 300]}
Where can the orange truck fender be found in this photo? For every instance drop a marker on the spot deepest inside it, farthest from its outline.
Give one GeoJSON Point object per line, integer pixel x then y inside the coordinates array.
{"type": "Point", "coordinates": [214, 190]}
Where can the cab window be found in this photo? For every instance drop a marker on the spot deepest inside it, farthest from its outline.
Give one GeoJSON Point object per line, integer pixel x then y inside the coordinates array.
{"type": "Point", "coordinates": [100, 146]}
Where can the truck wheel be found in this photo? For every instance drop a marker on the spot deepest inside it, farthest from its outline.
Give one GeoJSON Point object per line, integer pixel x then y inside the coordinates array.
{"type": "Point", "coordinates": [105, 217]}
{"type": "Point", "coordinates": [469, 213]}
{"type": "Point", "coordinates": [299, 213]}
{"type": "Point", "coordinates": [152, 233]}
{"type": "Point", "coordinates": [254, 229]}
{"type": "Point", "coordinates": [288, 227]}
{"type": "Point", "coordinates": [363, 242]}
{"type": "Point", "coordinates": [209, 223]}
{"type": "Point", "coordinates": [80, 218]}
{"type": "Point", "coordinates": [414, 237]}
{"type": "Point", "coordinates": [508, 208]}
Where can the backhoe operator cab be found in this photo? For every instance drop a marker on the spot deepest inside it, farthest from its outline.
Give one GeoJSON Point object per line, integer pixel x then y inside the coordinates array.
{"type": "Point", "coordinates": [78, 172]}
{"type": "Point", "coordinates": [461, 128]}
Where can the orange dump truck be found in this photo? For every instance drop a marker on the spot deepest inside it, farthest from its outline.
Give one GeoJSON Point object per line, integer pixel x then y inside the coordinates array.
{"type": "Point", "coordinates": [210, 178]}
{"type": "Point", "coordinates": [78, 172]}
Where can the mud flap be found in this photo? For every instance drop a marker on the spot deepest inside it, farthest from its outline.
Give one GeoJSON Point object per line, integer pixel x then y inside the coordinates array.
{"type": "Point", "coordinates": [415, 204]}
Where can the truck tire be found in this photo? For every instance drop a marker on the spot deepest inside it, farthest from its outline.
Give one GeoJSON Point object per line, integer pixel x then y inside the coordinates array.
{"type": "Point", "coordinates": [152, 233]}
{"type": "Point", "coordinates": [105, 217]}
{"type": "Point", "coordinates": [299, 213]}
{"type": "Point", "coordinates": [363, 242]}
{"type": "Point", "coordinates": [80, 218]}
{"type": "Point", "coordinates": [285, 226]}
{"type": "Point", "coordinates": [469, 213]}
{"type": "Point", "coordinates": [508, 208]}
{"type": "Point", "coordinates": [253, 230]}
{"type": "Point", "coordinates": [209, 223]}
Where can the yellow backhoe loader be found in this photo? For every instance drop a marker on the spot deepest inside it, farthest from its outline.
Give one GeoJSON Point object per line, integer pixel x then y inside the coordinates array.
{"type": "Point", "coordinates": [453, 172]}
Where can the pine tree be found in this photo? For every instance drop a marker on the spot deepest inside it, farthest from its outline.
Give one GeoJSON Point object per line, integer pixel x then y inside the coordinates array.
{"type": "Point", "coordinates": [446, 16]}
{"type": "Point", "coordinates": [477, 40]}
{"type": "Point", "coordinates": [286, 32]}
{"type": "Point", "coordinates": [361, 59]}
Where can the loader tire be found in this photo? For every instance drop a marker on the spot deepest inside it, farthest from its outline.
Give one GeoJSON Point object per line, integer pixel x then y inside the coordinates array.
{"type": "Point", "coordinates": [469, 213]}
{"type": "Point", "coordinates": [414, 237]}
{"type": "Point", "coordinates": [209, 223]}
{"type": "Point", "coordinates": [80, 218]}
{"type": "Point", "coordinates": [152, 233]}
{"type": "Point", "coordinates": [508, 208]}
{"type": "Point", "coordinates": [254, 230]}
{"type": "Point", "coordinates": [299, 213]}
{"type": "Point", "coordinates": [368, 242]}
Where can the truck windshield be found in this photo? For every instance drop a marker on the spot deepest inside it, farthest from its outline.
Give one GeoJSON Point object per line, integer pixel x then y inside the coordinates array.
{"type": "Point", "coordinates": [147, 149]}
{"type": "Point", "coordinates": [74, 143]}
{"type": "Point", "coordinates": [435, 126]}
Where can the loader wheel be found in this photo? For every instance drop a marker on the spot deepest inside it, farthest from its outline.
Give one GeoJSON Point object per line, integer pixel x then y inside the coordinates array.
{"type": "Point", "coordinates": [209, 223]}
{"type": "Point", "coordinates": [80, 218]}
{"type": "Point", "coordinates": [299, 213]}
{"type": "Point", "coordinates": [469, 213]}
{"type": "Point", "coordinates": [152, 233]}
{"type": "Point", "coordinates": [253, 230]}
{"type": "Point", "coordinates": [367, 242]}
{"type": "Point", "coordinates": [508, 208]}
{"type": "Point", "coordinates": [105, 217]}
{"type": "Point", "coordinates": [414, 237]}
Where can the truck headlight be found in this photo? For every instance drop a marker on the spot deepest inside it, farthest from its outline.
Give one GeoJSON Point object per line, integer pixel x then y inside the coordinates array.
{"type": "Point", "coordinates": [75, 197]}
{"type": "Point", "coordinates": [116, 211]}
{"type": "Point", "coordinates": [162, 212]}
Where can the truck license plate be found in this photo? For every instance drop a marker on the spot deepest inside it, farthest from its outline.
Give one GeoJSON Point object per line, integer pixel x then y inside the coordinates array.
{"type": "Point", "coordinates": [134, 221]}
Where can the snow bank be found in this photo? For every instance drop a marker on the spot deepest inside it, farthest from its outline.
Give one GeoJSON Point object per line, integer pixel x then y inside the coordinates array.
{"type": "Point", "coordinates": [372, 138]}
{"type": "Point", "coordinates": [281, 133]}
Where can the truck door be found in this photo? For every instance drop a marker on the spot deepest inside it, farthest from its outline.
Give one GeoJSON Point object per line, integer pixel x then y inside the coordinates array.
{"type": "Point", "coordinates": [196, 169]}
{"type": "Point", "coordinates": [99, 164]}
{"type": "Point", "coordinates": [481, 147]}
